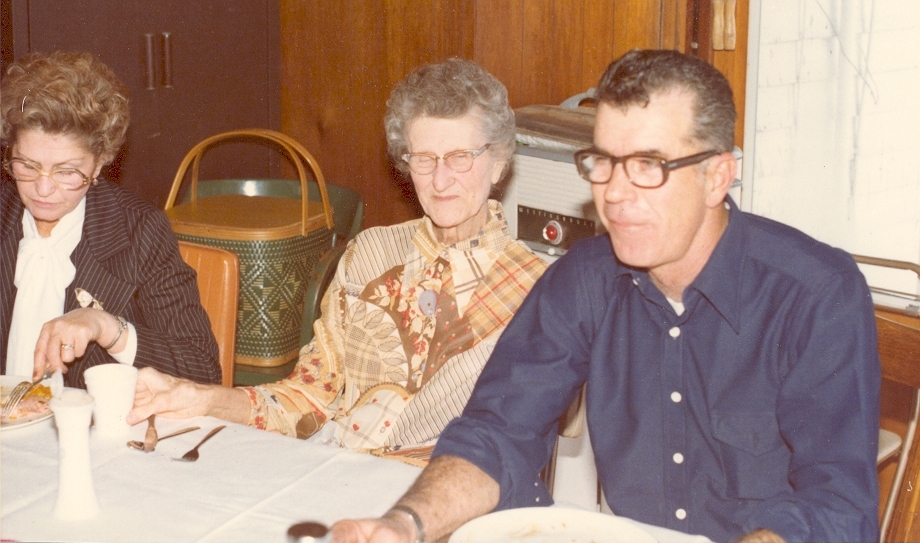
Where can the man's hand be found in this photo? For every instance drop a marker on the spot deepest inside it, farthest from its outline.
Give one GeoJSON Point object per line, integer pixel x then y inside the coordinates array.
{"type": "Point", "coordinates": [761, 536]}
{"type": "Point", "coordinates": [449, 492]}
{"type": "Point", "coordinates": [387, 529]}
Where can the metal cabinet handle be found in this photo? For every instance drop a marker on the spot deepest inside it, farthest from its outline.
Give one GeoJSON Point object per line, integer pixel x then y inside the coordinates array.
{"type": "Point", "coordinates": [150, 70]}
{"type": "Point", "coordinates": [167, 61]}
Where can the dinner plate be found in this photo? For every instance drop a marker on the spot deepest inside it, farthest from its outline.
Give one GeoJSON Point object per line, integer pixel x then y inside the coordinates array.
{"type": "Point", "coordinates": [550, 525]}
{"type": "Point", "coordinates": [7, 383]}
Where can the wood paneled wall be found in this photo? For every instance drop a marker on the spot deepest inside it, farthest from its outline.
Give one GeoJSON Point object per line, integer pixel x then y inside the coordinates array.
{"type": "Point", "coordinates": [340, 60]}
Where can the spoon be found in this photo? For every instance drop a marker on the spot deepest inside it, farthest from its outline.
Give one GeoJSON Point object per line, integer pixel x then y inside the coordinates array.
{"type": "Point", "coordinates": [139, 445]}
{"type": "Point", "coordinates": [150, 438]}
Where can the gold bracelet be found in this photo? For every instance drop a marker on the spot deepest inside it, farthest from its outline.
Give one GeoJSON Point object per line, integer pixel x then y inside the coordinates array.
{"type": "Point", "coordinates": [122, 325]}
{"type": "Point", "coordinates": [413, 516]}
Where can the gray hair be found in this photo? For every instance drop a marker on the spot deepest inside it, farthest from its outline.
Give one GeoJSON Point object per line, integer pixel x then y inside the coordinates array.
{"type": "Point", "coordinates": [449, 90]}
{"type": "Point", "coordinates": [634, 77]}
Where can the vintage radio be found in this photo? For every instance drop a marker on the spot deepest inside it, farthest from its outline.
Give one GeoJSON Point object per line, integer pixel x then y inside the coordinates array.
{"type": "Point", "coordinates": [549, 205]}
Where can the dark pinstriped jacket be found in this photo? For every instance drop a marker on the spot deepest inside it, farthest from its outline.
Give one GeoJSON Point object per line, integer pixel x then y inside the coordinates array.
{"type": "Point", "coordinates": [129, 260]}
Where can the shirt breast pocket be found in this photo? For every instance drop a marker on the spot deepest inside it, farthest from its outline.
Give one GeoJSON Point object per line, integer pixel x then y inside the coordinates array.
{"type": "Point", "coordinates": [755, 460]}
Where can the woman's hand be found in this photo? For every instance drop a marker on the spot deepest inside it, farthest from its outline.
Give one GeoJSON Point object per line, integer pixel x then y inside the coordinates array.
{"type": "Point", "coordinates": [64, 339]}
{"type": "Point", "coordinates": [172, 397]}
{"type": "Point", "coordinates": [161, 394]}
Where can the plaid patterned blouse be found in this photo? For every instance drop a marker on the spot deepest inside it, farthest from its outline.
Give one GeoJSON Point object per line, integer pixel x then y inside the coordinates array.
{"type": "Point", "coordinates": [406, 327]}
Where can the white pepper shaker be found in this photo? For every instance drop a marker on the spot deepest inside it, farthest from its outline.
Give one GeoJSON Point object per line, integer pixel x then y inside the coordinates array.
{"type": "Point", "coordinates": [76, 500]}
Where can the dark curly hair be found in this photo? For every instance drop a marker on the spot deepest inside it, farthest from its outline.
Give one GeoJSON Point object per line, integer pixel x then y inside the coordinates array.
{"type": "Point", "coordinates": [634, 77]}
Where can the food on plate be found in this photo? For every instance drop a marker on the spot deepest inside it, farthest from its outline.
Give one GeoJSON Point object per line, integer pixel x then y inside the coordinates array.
{"type": "Point", "coordinates": [32, 406]}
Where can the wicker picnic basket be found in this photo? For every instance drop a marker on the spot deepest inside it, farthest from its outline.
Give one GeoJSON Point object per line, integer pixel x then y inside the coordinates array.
{"type": "Point", "coordinates": [278, 240]}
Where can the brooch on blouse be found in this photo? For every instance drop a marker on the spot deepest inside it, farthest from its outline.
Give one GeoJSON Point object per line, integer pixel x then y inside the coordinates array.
{"type": "Point", "coordinates": [428, 302]}
{"type": "Point", "coordinates": [85, 299]}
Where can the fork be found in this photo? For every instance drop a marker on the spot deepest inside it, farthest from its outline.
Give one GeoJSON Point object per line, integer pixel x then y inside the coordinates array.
{"type": "Point", "coordinates": [19, 392]}
{"type": "Point", "coordinates": [192, 455]}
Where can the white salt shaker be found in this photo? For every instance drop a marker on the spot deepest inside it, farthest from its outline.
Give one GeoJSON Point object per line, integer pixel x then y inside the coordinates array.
{"type": "Point", "coordinates": [73, 410]}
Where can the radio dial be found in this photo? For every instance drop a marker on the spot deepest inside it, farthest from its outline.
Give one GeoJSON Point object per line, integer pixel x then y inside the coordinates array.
{"type": "Point", "coordinates": [553, 232]}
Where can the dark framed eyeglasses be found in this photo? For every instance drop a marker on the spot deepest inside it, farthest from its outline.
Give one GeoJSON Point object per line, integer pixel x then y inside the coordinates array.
{"type": "Point", "coordinates": [458, 161]}
{"type": "Point", "coordinates": [642, 170]}
{"type": "Point", "coordinates": [26, 171]}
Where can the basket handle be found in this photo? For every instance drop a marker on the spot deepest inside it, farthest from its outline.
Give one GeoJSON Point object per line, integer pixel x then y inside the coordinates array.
{"type": "Point", "coordinates": [299, 155]}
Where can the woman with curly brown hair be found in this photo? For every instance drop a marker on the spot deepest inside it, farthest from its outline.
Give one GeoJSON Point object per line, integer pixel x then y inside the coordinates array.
{"type": "Point", "coordinates": [89, 273]}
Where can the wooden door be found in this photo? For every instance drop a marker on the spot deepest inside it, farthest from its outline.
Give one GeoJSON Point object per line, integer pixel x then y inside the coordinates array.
{"type": "Point", "coordinates": [194, 69]}
{"type": "Point", "coordinates": [217, 74]}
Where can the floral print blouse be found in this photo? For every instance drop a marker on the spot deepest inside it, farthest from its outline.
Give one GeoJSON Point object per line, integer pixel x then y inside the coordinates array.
{"type": "Point", "coordinates": [407, 325]}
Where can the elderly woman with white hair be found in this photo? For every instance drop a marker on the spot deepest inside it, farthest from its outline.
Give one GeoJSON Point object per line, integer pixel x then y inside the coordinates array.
{"type": "Point", "coordinates": [414, 309]}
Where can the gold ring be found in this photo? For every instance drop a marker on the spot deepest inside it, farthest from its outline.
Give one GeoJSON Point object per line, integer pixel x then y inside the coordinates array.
{"type": "Point", "coordinates": [67, 347]}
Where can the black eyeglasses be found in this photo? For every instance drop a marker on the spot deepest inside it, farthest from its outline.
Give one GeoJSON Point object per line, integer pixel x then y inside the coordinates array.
{"type": "Point", "coordinates": [642, 170]}
{"type": "Point", "coordinates": [459, 161]}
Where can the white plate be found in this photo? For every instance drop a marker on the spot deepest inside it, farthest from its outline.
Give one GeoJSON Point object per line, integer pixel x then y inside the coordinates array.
{"type": "Point", "coordinates": [550, 525]}
{"type": "Point", "coordinates": [7, 382]}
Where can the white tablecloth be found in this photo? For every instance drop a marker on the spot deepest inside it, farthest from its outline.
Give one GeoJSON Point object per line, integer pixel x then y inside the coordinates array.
{"type": "Point", "coordinates": [248, 486]}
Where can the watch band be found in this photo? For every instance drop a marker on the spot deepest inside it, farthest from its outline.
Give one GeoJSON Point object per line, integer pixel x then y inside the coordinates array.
{"type": "Point", "coordinates": [408, 511]}
{"type": "Point", "coordinates": [122, 325]}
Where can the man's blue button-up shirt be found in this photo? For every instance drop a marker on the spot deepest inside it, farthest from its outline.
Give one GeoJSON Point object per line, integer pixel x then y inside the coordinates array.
{"type": "Point", "coordinates": [757, 407]}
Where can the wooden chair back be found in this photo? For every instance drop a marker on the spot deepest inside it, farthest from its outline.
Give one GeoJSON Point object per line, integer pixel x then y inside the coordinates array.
{"type": "Point", "coordinates": [899, 351]}
{"type": "Point", "coordinates": [219, 285]}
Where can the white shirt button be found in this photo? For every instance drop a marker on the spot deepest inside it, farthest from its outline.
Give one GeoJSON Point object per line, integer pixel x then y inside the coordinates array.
{"type": "Point", "coordinates": [636, 282]}
{"type": "Point", "coordinates": [681, 514]}
{"type": "Point", "coordinates": [674, 332]}
{"type": "Point", "coordinates": [678, 458]}
{"type": "Point", "coordinates": [676, 397]}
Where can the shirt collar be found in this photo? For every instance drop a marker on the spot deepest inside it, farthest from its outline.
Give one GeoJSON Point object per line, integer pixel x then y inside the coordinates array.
{"type": "Point", "coordinates": [493, 237]}
{"type": "Point", "coordinates": [720, 279]}
{"type": "Point", "coordinates": [470, 259]}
